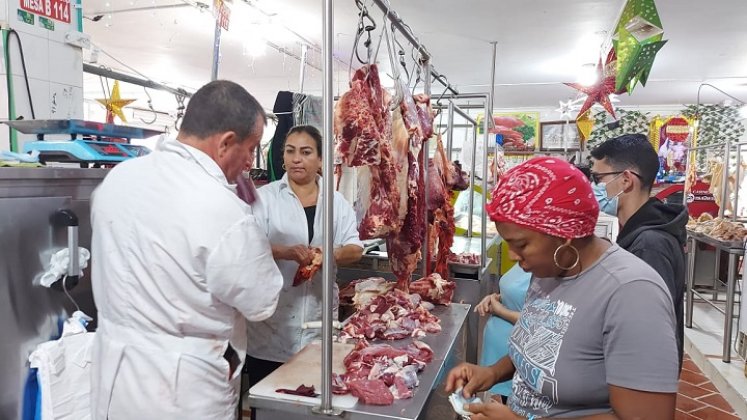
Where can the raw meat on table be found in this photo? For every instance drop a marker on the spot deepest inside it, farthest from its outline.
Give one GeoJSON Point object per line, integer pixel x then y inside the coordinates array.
{"type": "Point", "coordinates": [303, 391]}
{"type": "Point", "coordinates": [378, 374]}
{"type": "Point", "coordinates": [466, 258]}
{"type": "Point", "coordinates": [306, 272]}
{"type": "Point", "coordinates": [433, 288]}
{"type": "Point", "coordinates": [392, 316]}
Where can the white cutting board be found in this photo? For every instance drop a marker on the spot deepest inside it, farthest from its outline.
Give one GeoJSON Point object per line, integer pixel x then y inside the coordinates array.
{"type": "Point", "coordinates": [305, 369]}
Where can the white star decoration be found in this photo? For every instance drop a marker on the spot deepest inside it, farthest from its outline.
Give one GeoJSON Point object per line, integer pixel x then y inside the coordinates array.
{"type": "Point", "coordinates": [565, 109]}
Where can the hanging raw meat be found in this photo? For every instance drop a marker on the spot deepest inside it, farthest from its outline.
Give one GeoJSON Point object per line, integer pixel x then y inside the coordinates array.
{"type": "Point", "coordinates": [443, 178]}
{"type": "Point", "coordinates": [357, 119]}
{"type": "Point", "coordinates": [425, 115]}
{"type": "Point", "coordinates": [363, 137]}
{"type": "Point", "coordinates": [400, 152]}
{"type": "Point", "coordinates": [433, 288]}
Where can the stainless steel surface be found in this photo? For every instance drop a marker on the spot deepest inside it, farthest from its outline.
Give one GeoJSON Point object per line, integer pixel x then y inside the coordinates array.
{"type": "Point", "coordinates": [492, 75]}
{"type": "Point", "coordinates": [484, 219]}
{"type": "Point", "coordinates": [450, 131]}
{"type": "Point", "coordinates": [28, 313]}
{"type": "Point", "coordinates": [328, 264]}
{"type": "Point", "coordinates": [42, 127]}
{"type": "Point", "coordinates": [443, 344]}
{"type": "Point", "coordinates": [690, 277]}
{"type": "Point", "coordinates": [459, 110]}
{"type": "Point", "coordinates": [470, 226]}
{"type": "Point", "coordinates": [725, 181]}
{"type": "Point", "coordinates": [100, 71]}
{"type": "Point", "coordinates": [216, 51]}
{"type": "Point", "coordinates": [729, 314]}
{"type": "Point", "coordinates": [302, 70]}
{"type": "Point", "coordinates": [73, 268]}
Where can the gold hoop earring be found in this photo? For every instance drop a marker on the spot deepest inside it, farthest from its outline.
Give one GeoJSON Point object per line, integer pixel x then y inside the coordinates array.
{"type": "Point", "coordinates": [575, 263]}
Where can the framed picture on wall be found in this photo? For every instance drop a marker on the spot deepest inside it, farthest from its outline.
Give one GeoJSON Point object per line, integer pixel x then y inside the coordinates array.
{"type": "Point", "coordinates": [559, 135]}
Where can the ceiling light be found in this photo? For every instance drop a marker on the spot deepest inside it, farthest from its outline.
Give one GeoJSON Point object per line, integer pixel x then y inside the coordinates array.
{"type": "Point", "coordinates": [254, 47]}
{"type": "Point", "coordinates": [587, 76]}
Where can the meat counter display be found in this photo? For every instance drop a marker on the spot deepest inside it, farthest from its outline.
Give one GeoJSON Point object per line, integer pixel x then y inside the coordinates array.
{"type": "Point", "coordinates": [305, 369]}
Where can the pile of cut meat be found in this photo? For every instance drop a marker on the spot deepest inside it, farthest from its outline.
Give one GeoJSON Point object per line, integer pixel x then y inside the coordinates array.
{"type": "Point", "coordinates": [387, 150]}
{"type": "Point", "coordinates": [393, 315]}
{"type": "Point", "coordinates": [467, 258]}
{"type": "Point", "coordinates": [378, 374]}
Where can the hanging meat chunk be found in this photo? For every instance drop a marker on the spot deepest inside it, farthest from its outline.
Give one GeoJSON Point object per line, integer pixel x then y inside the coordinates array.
{"type": "Point", "coordinates": [425, 115]}
{"type": "Point", "coordinates": [363, 137]}
{"type": "Point", "coordinates": [434, 289]}
{"type": "Point", "coordinates": [444, 177]}
{"type": "Point", "coordinates": [357, 119]}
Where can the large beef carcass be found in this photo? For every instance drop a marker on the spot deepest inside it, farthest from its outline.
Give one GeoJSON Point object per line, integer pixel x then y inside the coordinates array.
{"type": "Point", "coordinates": [363, 132]}
{"type": "Point", "coordinates": [404, 247]}
{"type": "Point", "coordinates": [444, 177]}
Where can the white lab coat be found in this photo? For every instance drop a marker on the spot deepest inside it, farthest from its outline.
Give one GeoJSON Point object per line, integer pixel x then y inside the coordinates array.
{"type": "Point", "coordinates": [280, 214]}
{"type": "Point", "coordinates": [178, 263]}
{"type": "Point", "coordinates": [64, 372]}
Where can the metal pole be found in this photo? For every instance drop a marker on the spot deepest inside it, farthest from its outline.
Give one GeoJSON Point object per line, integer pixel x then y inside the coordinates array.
{"type": "Point", "coordinates": [735, 213]}
{"type": "Point", "coordinates": [464, 115]}
{"type": "Point", "coordinates": [328, 268]}
{"type": "Point", "coordinates": [692, 249]}
{"type": "Point", "coordinates": [725, 180]}
{"type": "Point", "coordinates": [302, 77]}
{"type": "Point", "coordinates": [492, 73]}
{"type": "Point", "coordinates": [484, 219]}
{"type": "Point", "coordinates": [470, 226]}
{"type": "Point", "coordinates": [100, 71]}
{"type": "Point", "coordinates": [450, 131]}
{"type": "Point", "coordinates": [729, 315]}
{"type": "Point", "coordinates": [216, 51]}
{"type": "Point", "coordinates": [425, 64]}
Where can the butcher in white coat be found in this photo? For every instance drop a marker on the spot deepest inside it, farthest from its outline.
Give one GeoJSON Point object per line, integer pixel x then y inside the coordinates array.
{"type": "Point", "coordinates": [179, 264]}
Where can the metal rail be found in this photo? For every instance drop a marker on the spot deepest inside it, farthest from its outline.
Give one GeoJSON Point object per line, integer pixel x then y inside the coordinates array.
{"type": "Point", "coordinates": [100, 71]}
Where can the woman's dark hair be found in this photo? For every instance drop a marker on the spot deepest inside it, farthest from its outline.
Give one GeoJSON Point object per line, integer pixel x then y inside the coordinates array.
{"type": "Point", "coordinates": [312, 131]}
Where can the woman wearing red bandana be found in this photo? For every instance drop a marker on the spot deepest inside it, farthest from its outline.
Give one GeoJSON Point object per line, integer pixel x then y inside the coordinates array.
{"type": "Point", "coordinates": [596, 336]}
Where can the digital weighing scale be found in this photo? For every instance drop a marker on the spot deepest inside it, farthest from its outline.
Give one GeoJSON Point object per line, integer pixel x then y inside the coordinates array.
{"type": "Point", "coordinates": [90, 142]}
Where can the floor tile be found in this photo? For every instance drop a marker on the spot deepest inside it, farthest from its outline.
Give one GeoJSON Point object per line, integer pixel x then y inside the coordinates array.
{"type": "Point", "coordinates": [717, 401]}
{"type": "Point", "coordinates": [693, 391]}
{"type": "Point", "coordinates": [710, 413]}
{"type": "Point", "coordinates": [692, 377]}
{"type": "Point", "coordinates": [687, 404]}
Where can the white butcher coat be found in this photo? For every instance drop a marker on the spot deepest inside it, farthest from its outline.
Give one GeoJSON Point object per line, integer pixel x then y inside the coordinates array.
{"type": "Point", "coordinates": [280, 214]}
{"type": "Point", "coordinates": [178, 263]}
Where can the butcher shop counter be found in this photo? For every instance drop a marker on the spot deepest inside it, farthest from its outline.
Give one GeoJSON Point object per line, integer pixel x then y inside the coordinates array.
{"type": "Point", "coordinates": [429, 400]}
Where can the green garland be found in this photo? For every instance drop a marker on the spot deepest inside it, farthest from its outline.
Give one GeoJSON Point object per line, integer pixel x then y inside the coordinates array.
{"type": "Point", "coordinates": [630, 122]}
{"type": "Point", "coordinates": [716, 123]}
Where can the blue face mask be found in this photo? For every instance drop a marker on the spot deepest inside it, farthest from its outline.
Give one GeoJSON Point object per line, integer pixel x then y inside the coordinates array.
{"type": "Point", "coordinates": [606, 204]}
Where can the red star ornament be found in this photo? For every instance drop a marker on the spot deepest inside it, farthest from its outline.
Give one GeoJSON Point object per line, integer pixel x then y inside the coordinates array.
{"type": "Point", "coordinates": [599, 92]}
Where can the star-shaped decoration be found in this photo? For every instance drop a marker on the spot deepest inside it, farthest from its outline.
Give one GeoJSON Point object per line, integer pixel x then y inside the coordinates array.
{"type": "Point", "coordinates": [565, 109]}
{"type": "Point", "coordinates": [638, 37]}
{"type": "Point", "coordinates": [598, 92]}
{"type": "Point", "coordinates": [114, 104]}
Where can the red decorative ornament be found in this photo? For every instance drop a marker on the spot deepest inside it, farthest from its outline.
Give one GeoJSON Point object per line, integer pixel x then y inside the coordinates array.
{"type": "Point", "coordinates": [605, 86]}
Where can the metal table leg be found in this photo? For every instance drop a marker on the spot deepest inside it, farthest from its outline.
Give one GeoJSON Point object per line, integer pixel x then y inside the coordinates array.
{"type": "Point", "coordinates": [717, 275]}
{"type": "Point", "coordinates": [729, 318]}
{"type": "Point", "coordinates": [690, 278]}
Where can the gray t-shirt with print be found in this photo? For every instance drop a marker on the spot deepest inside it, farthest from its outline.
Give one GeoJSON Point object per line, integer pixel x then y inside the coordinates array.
{"type": "Point", "coordinates": [611, 325]}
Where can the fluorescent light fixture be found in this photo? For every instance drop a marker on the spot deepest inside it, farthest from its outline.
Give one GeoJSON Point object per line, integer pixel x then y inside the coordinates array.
{"type": "Point", "coordinates": [587, 76]}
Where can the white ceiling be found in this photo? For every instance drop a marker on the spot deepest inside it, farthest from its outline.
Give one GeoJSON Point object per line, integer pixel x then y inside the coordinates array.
{"type": "Point", "coordinates": [541, 43]}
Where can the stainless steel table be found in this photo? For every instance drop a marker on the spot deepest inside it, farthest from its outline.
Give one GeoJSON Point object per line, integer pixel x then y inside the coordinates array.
{"type": "Point", "coordinates": [444, 347]}
{"type": "Point", "coordinates": [734, 252]}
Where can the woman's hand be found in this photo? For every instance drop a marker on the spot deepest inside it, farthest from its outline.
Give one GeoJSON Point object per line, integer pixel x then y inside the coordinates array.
{"type": "Point", "coordinates": [491, 304]}
{"type": "Point", "coordinates": [298, 253]}
{"type": "Point", "coordinates": [492, 410]}
{"type": "Point", "coordinates": [471, 378]}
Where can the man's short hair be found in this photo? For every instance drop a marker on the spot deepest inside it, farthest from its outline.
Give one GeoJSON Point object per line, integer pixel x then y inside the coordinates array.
{"type": "Point", "coordinates": [221, 106]}
{"type": "Point", "coordinates": [630, 151]}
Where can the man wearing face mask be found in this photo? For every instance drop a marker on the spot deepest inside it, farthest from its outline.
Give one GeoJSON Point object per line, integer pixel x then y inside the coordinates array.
{"type": "Point", "coordinates": [623, 172]}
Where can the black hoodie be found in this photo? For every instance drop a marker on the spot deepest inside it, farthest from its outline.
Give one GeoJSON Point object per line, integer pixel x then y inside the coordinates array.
{"type": "Point", "coordinates": [656, 234]}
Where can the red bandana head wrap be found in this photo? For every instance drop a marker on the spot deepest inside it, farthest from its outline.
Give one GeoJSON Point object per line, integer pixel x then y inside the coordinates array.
{"type": "Point", "coordinates": [547, 195]}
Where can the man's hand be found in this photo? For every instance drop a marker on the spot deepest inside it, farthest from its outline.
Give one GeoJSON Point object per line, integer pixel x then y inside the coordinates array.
{"type": "Point", "coordinates": [298, 253]}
